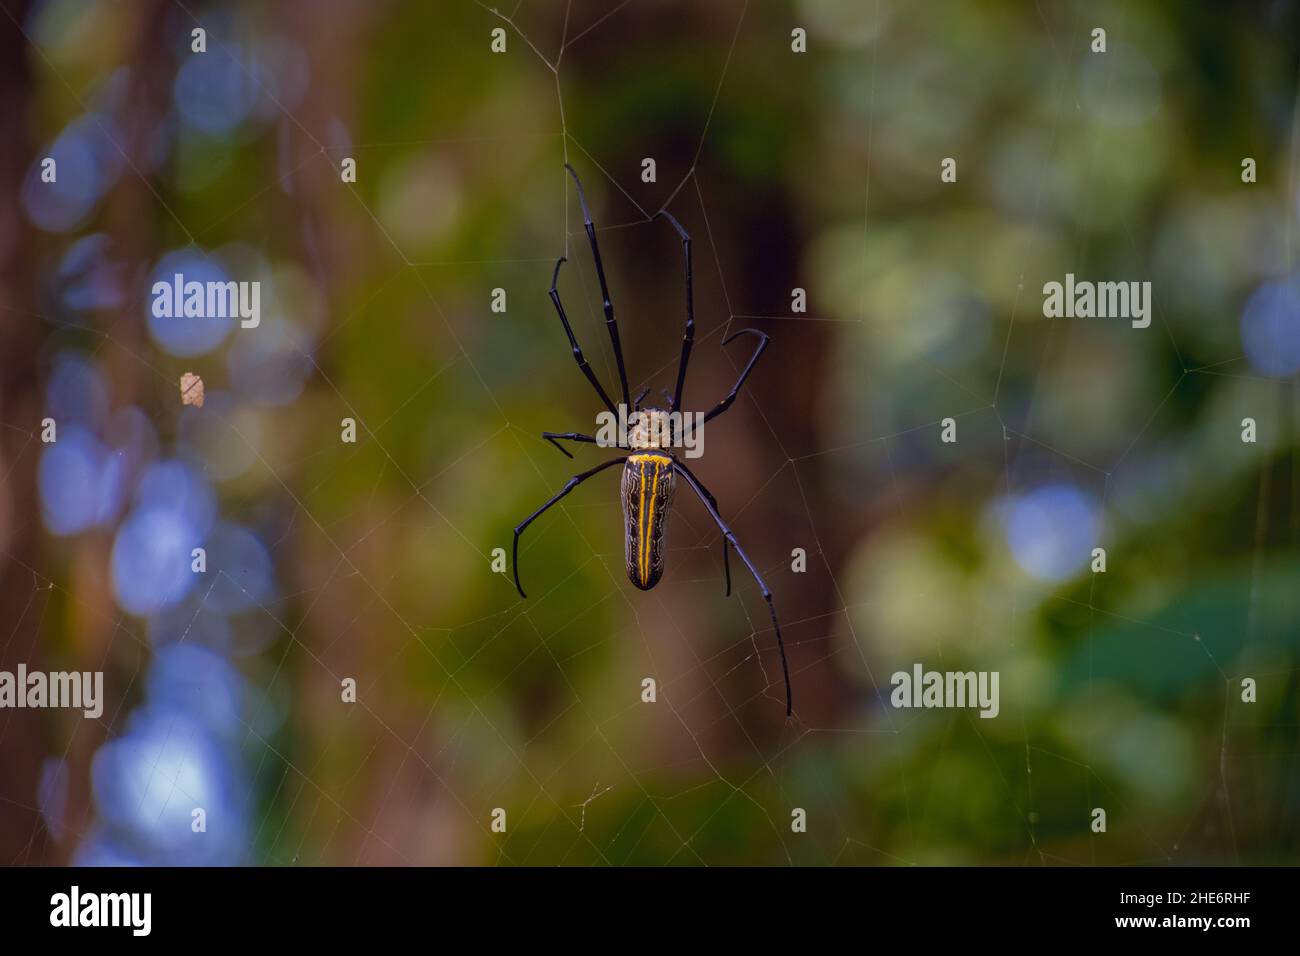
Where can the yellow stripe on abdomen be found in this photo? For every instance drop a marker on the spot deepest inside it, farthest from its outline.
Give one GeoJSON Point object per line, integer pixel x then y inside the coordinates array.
{"type": "Point", "coordinates": [640, 517]}
{"type": "Point", "coordinates": [645, 537]}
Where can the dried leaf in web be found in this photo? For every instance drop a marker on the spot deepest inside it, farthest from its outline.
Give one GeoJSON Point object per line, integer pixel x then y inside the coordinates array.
{"type": "Point", "coordinates": [191, 390]}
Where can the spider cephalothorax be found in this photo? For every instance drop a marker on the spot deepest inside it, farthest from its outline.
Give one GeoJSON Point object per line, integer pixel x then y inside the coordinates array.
{"type": "Point", "coordinates": [651, 428]}
{"type": "Point", "coordinates": [651, 469]}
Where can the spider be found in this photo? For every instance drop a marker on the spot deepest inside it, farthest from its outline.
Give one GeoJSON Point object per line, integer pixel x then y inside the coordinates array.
{"type": "Point", "coordinates": [650, 469]}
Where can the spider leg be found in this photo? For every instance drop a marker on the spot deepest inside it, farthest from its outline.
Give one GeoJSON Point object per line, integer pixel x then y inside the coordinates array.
{"type": "Point", "coordinates": [636, 402]}
{"type": "Point", "coordinates": [688, 339]}
{"type": "Point", "coordinates": [763, 340]}
{"type": "Point", "coordinates": [568, 486]}
{"type": "Point", "coordinates": [573, 342]}
{"type": "Point", "coordinates": [726, 561]}
{"type": "Point", "coordinates": [610, 324]}
{"type": "Point", "coordinates": [767, 595]}
{"type": "Point", "coordinates": [556, 437]}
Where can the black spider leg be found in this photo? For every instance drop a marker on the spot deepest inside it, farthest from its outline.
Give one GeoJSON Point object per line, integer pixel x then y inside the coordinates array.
{"type": "Point", "coordinates": [688, 339]}
{"type": "Point", "coordinates": [568, 486]}
{"type": "Point", "coordinates": [763, 341]}
{"type": "Point", "coordinates": [726, 561]}
{"type": "Point", "coordinates": [767, 595]}
{"type": "Point", "coordinates": [636, 402]}
{"type": "Point", "coordinates": [610, 324]}
{"type": "Point", "coordinates": [573, 342]}
{"type": "Point", "coordinates": [556, 437]}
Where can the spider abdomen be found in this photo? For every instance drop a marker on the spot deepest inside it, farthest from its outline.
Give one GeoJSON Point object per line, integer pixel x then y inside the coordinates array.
{"type": "Point", "coordinates": [648, 486]}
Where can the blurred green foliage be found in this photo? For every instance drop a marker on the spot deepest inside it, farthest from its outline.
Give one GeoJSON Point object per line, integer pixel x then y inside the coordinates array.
{"type": "Point", "coordinates": [1119, 690]}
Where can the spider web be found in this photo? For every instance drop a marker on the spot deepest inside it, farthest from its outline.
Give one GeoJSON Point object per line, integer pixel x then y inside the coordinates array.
{"type": "Point", "coordinates": [423, 778]}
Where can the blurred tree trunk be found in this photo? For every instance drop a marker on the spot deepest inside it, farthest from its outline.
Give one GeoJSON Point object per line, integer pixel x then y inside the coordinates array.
{"type": "Point", "coordinates": [22, 837]}
{"type": "Point", "coordinates": [748, 219]}
{"type": "Point", "coordinates": [26, 342]}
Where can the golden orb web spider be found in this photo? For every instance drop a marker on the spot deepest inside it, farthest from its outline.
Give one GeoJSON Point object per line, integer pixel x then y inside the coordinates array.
{"type": "Point", "coordinates": [650, 469]}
